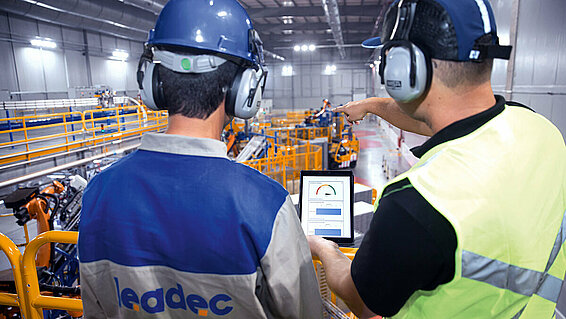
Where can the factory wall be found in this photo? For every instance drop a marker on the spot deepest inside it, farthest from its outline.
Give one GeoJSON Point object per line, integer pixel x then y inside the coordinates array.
{"type": "Point", "coordinates": [310, 83]}
{"type": "Point", "coordinates": [81, 58]}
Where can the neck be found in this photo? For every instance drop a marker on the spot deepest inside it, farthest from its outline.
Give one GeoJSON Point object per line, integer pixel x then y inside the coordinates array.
{"type": "Point", "coordinates": [444, 106]}
{"type": "Point", "coordinates": [210, 127]}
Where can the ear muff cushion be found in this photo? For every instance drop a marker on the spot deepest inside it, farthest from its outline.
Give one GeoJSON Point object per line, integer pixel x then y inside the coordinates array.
{"type": "Point", "coordinates": [157, 89]}
{"type": "Point", "coordinates": [249, 94]}
{"type": "Point", "coordinates": [397, 73]}
{"type": "Point", "coordinates": [238, 96]}
{"type": "Point", "coordinates": [147, 87]}
{"type": "Point", "coordinates": [232, 93]}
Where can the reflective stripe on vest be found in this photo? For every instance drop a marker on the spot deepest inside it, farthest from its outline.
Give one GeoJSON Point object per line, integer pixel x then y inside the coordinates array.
{"type": "Point", "coordinates": [524, 281]}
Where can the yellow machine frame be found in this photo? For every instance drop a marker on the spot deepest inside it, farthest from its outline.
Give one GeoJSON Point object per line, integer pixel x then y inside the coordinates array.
{"type": "Point", "coordinates": [15, 258]}
{"type": "Point", "coordinates": [35, 301]}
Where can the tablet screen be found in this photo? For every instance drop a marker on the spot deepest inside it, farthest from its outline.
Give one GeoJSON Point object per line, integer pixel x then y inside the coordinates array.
{"type": "Point", "coordinates": [326, 204]}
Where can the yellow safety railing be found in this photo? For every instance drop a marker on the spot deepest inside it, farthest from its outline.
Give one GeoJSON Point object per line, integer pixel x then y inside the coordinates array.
{"type": "Point", "coordinates": [281, 122]}
{"type": "Point", "coordinates": [291, 136]}
{"type": "Point", "coordinates": [325, 291]}
{"type": "Point", "coordinates": [15, 258]}
{"type": "Point", "coordinates": [298, 115]}
{"type": "Point", "coordinates": [66, 131]}
{"type": "Point", "coordinates": [27, 142]}
{"type": "Point", "coordinates": [126, 124]}
{"type": "Point", "coordinates": [37, 301]}
{"type": "Point", "coordinates": [285, 165]}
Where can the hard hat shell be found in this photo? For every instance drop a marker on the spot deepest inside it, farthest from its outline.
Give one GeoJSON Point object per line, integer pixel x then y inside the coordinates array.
{"type": "Point", "coordinates": [221, 26]}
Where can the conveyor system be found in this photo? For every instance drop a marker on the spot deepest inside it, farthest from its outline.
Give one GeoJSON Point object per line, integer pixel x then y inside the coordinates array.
{"type": "Point", "coordinates": [253, 149]}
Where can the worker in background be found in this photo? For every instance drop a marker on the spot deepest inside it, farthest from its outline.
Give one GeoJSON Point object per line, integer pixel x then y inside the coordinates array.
{"type": "Point", "coordinates": [475, 229]}
{"type": "Point", "coordinates": [176, 229]}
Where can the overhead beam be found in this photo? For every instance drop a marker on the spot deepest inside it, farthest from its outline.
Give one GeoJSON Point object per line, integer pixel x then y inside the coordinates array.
{"type": "Point", "coordinates": [360, 26]}
{"type": "Point", "coordinates": [310, 37]}
{"type": "Point", "coordinates": [313, 11]}
{"type": "Point", "coordinates": [327, 40]}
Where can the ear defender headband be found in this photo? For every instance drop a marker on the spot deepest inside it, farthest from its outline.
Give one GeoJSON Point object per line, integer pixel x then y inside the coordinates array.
{"type": "Point", "coordinates": [243, 96]}
{"type": "Point", "coordinates": [405, 69]}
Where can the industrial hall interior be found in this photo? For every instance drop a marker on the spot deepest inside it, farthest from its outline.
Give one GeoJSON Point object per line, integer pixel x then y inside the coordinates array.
{"type": "Point", "coordinates": [283, 159]}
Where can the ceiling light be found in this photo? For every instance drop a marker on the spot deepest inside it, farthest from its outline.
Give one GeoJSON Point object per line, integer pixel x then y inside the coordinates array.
{"type": "Point", "coordinates": [311, 47]}
{"type": "Point", "coordinates": [199, 37]}
{"type": "Point", "coordinates": [375, 62]}
{"type": "Point", "coordinates": [222, 13]}
{"type": "Point", "coordinates": [120, 55]}
{"type": "Point", "coordinates": [297, 48]}
{"type": "Point", "coordinates": [330, 69]}
{"type": "Point", "coordinates": [287, 19]}
{"type": "Point", "coordinates": [304, 47]}
{"type": "Point", "coordinates": [371, 65]}
{"type": "Point", "coordinates": [287, 70]}
{"type": "Point", "coordinates": [288, 4]}
{"type": "Point", "coordinates": [43, 43]}
{"type": "Point", "coordinates": [287, 31]}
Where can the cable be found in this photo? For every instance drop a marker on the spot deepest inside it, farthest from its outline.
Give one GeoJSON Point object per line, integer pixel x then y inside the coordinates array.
{"type": "Point", "coordinates": [50, 222]}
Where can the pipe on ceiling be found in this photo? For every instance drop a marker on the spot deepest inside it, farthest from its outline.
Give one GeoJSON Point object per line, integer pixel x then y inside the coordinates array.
{"type": "Point", "coordinates": [105, 16]}
{"type": "Point", "coordinates": [154, 6]}
{"type": "Point", "coordinates": [333, 17]}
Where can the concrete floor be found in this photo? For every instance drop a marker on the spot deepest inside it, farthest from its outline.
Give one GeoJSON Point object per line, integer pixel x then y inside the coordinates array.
{"type": "Point", "coordinates": [377, 154]}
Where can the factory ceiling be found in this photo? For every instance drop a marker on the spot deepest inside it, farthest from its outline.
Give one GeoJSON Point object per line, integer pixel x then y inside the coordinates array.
{"type": "Point", "coordinates": [282, 24]}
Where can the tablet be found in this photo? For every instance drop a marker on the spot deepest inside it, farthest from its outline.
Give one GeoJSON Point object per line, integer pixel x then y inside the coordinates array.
{"type": "Point", "coordinates": [326, 204]}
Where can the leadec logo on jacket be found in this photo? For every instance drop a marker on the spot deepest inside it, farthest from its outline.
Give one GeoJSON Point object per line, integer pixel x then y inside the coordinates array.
{"type": "Point", "coordinates": [155, 301]}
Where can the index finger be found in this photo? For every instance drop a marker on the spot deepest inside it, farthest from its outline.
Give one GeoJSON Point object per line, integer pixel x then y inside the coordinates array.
{"type": "Point", "coordinates": [340, 108]}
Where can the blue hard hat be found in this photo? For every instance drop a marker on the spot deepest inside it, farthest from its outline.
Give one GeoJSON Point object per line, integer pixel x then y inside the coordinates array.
{"type": "Point", "coordinates": [221, 26]}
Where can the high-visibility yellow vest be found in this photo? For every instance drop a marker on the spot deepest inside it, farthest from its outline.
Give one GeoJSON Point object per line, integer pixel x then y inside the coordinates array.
{"type": "Point", "coordinates": [503, 189]}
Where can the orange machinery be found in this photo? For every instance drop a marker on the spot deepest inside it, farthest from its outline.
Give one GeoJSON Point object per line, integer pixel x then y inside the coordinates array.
{"type": "Point", "coordinates": [30, 203]}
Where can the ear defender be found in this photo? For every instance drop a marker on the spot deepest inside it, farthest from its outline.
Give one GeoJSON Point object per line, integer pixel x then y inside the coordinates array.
{"type": "Point", "coordinates": [405, 71]}
{"type": "Point", "coordinates": [151, 88]}
{"type": "Point", "coordinates": [243, 99]}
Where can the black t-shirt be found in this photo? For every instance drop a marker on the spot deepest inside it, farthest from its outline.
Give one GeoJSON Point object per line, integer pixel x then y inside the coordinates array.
{"type": "Point", "coordinates": [410, 246]}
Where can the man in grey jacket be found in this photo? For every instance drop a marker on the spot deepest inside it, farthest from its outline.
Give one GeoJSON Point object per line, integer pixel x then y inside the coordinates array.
{"type": "Point", "coordinates": [176, 229]}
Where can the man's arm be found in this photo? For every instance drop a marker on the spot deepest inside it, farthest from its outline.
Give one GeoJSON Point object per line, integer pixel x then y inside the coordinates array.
{"type": "Point", "coordinates": [288, 287]}
{"type": "Point", "coordinates": [337, 268]}
{"type": "Point", "coordinates": [387, 109]}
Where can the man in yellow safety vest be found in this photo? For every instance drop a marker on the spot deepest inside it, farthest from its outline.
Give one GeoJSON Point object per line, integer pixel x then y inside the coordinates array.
{"type": "Point", "coordinates": [476, 228]}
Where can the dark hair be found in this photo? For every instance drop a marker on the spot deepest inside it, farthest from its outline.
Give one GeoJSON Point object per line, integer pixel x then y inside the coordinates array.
{"type": "Point", "coordinates": [196, 95]}
{"type": "Point", "coordinates": [454, 74]}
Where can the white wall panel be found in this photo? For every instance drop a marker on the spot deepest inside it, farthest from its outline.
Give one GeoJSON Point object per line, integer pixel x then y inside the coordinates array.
{"type": "Point", "coordinates": [54, 69]}
{"type": "Point", "coordinates": [76, 66]}
{"type": "Point", "coordinates": [108, 43]}
{"type": "Point", "coordinates": [23, 26]}
{"type": "Point", "coordinates": [72, 36]}
{"type": "Point", "coordinates": [109, 72]}
{"type": "Point", "coordinates": [94, 42]}
{"type": "Point", "coordinates": [48, 30]}
{"type": "Point", "coordinates": [131, 78]}
{"type": "Point", "coordinates": [30, 69]}
{"type": "Point", "coordinates": [558, 114]}
{"type": "Point", "coordinates": [8, 79]}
